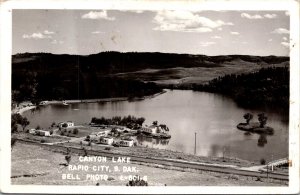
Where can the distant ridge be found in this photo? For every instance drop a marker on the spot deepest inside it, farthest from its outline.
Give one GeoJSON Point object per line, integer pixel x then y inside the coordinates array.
{"type": "Point", "coordinates": [117, 62]}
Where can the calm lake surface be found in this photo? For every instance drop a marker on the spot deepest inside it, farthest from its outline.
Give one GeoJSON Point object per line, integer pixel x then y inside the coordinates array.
{"type": "Point", "coordinates": [213, 117]}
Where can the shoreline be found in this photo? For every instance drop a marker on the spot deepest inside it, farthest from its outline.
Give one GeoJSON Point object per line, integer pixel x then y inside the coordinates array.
{"type": "Point", "coordinates": [99, 100]}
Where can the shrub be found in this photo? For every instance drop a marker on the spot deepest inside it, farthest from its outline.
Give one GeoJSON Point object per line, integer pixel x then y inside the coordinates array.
{"type": "Point", "coordinates": [62, 133]}
{"type": "Point", "coordinates": [43, 141]}
{"type": "Point", "coordinates": [53, 124]}
{"type": "Point", "coordinates": [262, 161]}
{"type": "Point", "coordinates": [107, 148]}
{"type": "Point", "coordinates": [38, 127]}
{"type": "Point", "coordinates": [75, 131]}
{"type": "Point", "coordinates": [234, 177]}
{"type": "Point", "coordinates": [51, 132]}
{"type": "Point", "coordinates": [137, 182]}
{"type": "Point", "coordinates": [68, 159]}
{"type": "Point", "coordinates": [85, 152]}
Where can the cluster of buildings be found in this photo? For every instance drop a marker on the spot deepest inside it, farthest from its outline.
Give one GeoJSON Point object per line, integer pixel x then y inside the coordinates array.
{"type": "Point", "coordinates": [105, 135]}
{"type": "Point", "coordinates": [47, 133]}
{"type": "Point", "coordinates": [104, 138]}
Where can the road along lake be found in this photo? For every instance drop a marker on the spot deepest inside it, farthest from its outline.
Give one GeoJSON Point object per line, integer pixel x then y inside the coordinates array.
{"type": "Point", "coordinates": [212, 117]}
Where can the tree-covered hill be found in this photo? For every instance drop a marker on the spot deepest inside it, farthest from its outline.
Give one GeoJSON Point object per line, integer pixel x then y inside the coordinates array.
{"type": "Point", "coordinates": [45, 76]}
{"type": "Point", "coordinates": [269, 88]}
{"type": "Point", "coordinates": [116, 62]}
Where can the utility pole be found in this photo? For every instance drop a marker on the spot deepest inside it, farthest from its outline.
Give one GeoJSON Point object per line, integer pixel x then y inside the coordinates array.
{"type": "Point", "coordinates": [268, 171]}
{"type": "Point", "coordinates": [272, 161]}
{"type": "Point", "coordinates": [195, 150]}
{"type": "Point", "coordinates": [224, 149]}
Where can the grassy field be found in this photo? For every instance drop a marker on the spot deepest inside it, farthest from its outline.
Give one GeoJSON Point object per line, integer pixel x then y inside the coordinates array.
{"type": "Point", "coordinates": [33, 164]}
{"type": "Point", "coordinates": [198, 75]}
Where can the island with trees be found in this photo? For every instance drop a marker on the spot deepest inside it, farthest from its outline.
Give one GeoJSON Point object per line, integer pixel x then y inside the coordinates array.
{"type": "Point", "coordinates": [256, 127]}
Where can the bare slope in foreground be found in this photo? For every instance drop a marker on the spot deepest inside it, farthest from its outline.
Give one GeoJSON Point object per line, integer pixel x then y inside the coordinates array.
{"type": "Point", "coordinates": [32, 164]}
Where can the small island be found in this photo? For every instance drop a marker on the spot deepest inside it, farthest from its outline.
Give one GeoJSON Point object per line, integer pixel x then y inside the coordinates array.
{"type": "Point", "coordinates": [256, 127]}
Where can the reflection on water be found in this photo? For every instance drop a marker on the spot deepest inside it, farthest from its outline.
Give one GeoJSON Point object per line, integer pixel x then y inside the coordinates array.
{"type": "Point", "coordinates": [212, 117]}
{"type": "Point", "coordinates": [149, 141]}
{"type": "Point", "coordinates": [262, 140]}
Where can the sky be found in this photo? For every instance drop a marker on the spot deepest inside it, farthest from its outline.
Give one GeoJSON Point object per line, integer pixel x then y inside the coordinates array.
{"type": "Point", "coordinates": [211, 33]}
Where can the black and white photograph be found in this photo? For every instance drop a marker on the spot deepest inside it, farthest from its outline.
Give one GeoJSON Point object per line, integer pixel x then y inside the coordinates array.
{"type": "Point", "coordinates": [163, 98]}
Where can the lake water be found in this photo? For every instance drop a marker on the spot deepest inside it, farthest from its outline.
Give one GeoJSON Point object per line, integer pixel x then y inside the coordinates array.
{"type": "Point", "coordinates": [212, 117]}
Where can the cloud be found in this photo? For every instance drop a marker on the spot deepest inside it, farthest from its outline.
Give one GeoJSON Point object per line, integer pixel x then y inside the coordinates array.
{"type": "Point", "coordinates": [285, 44]}
{"type": "Point", "coordinates": [133, 11]}
{"type": "Point", "coordinates": [36, 36]}
{"type": "Point", "coordinates": [244, 42]}
{"type": "Point", "coordinates": [248, 16]}
{"type": "Point", "coordinates": [287, 13]}
{"type": "Point", "coordinates": [97, 32]}
{"type": "Point", "coordinates": [46, 32]}
{"type": "Point", "coordinates": [205, 44]}
{"type": "Point", "coordinates": [270, 16]}
{"type": "Point", "coordinates": [284, 38]}
{"type": "Point", "coordinates": [185, 21]}
{"type": "Point", "coordinates": [270, 40]}
{"type": "Point", "coordinates": [257, 16]}
{"type": "Point", "coordinates": [216, 37]}
{"type": "Point", "coordinates": [281, 31]}
{"type": "Point", "coordinates": [97, 15]}
{"type": "Point", "coordinates": [234, 33]}
{"type": "Point", "coordinates": [57, 42]}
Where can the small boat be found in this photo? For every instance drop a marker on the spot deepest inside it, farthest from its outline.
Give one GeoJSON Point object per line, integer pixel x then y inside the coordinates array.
{"type": "Point", "coordinates": [65, 103]}
{"type": "Point", "coordinates": [42, 103]}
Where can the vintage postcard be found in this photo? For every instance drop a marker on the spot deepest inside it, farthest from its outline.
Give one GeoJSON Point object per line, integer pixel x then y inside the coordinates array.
{"type": "Point", "coordinates": [171, 96]}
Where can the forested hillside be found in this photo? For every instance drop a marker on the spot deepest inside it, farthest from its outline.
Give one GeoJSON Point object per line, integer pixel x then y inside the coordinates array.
{"type": "Point", "coordinates": [269, 87]}
{"type": "Point", "coordinates": [44, 76]}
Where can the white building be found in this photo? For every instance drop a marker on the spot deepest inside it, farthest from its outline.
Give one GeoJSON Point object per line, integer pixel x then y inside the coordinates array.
{"type": "Point", "coordinates": [126, 142]}
{"type": "Point", "coordinates": [66, 124]}
{"type": "Point", "coordinates": [93, 137]}
{"type": "Point", "coordinates": [150, 130]}
{"type": "Point", "coordinates": [106, 140]}
{"type": "Point", "coordinates": [103, 133]}
{"type": "Point", "coordinates": [32, 131]}
{"type": "Point", "coordinates": [42, 133]}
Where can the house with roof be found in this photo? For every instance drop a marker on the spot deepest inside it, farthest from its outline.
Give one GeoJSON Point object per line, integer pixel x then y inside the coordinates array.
{"type": "Point", "coordinates": [42, 132]}
{"type": "Point", "coordinates": [67, 124]}
{"type": "Point", "coordinates": [31, 131]}
{"type": "Point", "coordinates": [106, 140]}
{"type": "Point", "coordinates": [103, 133]}
{"type": "Point", "coordinates": [152, 129]}
{"type": "Point", "coordinates": [126, 142]}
